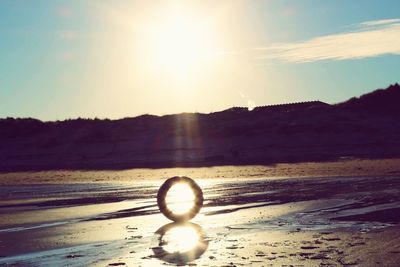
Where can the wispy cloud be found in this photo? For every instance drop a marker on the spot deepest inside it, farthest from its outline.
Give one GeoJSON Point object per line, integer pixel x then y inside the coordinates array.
{"type": "Point", "coordinates": [379, 22]}
{"type": "Point", "coordinates": [372, 38]}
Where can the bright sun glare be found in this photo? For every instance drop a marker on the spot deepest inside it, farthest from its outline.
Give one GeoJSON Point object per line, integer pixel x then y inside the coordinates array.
{"type": "Point", "coordinates": [181, 239]}
{"type": "Point", "coordinates": [181, 44]}
{"type": "Point", "coordinates": [180, 198]}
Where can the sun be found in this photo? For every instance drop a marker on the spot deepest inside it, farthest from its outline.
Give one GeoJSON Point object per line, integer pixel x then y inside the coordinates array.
{"type": "Point", "coordinates": [181, 44]}
{"type": "Point", "coordinates": [180, 198]}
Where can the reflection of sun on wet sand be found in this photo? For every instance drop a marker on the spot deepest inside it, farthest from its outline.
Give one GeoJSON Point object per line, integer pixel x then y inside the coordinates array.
{"type": "Point", "coordinates": [350, 219]}
{"type": "Point", "coordinates": [179, 243]}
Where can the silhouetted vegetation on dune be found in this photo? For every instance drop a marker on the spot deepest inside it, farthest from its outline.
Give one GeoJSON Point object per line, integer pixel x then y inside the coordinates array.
{"type": "Point", "coordinates": [379, 101]}
{"type": "Point", "coordinates": [365, 127]}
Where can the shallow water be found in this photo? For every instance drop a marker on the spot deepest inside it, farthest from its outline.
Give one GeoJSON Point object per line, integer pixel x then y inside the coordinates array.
{"type": "Point", "coordinates": [88, 224]}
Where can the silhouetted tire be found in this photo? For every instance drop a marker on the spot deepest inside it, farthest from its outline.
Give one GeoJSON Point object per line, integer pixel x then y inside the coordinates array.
{"type": "Point", "coordinates": [162, 193]}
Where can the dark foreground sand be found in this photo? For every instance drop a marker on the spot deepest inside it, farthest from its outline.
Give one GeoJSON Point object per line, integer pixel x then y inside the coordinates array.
{"type": "Point", "coordinates": [249, 219]}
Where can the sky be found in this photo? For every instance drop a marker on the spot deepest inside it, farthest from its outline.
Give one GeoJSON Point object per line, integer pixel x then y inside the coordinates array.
{"type": "Point", "coordinates": [114, 59]}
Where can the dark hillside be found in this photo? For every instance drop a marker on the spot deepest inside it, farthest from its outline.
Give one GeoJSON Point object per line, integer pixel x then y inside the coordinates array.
{"type": "Point", "coordinates": [364, 127]}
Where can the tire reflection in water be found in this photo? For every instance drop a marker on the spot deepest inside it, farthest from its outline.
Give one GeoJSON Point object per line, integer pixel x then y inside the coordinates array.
{"type": "Point", "coordinates": [179, 242]}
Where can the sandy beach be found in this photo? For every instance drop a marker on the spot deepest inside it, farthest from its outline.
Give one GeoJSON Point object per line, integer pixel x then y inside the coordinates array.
{"type": "Point", "coordinates": [78, 219]}
{"type": "Point", "coordinates": [342, 168]}
{"type": "Point", "coordinates": [199, 133]}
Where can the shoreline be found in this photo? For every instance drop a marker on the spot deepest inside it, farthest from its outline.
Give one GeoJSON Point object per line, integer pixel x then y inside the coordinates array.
{"type": "Point", "coordinates": [342, 168]}
{"type": "Point", "coordinates": [122, 166]}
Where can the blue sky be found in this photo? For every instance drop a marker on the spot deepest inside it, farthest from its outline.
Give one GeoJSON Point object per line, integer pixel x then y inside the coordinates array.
{"type": "Point", "coordinates": [113, 59]}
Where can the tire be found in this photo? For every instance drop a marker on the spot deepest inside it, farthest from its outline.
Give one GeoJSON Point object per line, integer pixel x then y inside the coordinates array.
{"type": "Point", "coordinates": [162, 193]}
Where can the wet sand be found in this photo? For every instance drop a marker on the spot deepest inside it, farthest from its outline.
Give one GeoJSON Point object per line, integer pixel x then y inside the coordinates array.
{"type": "Point", "coordinates": [308, 220]}
{"type": "Point", "coordinates": [345, 167]}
